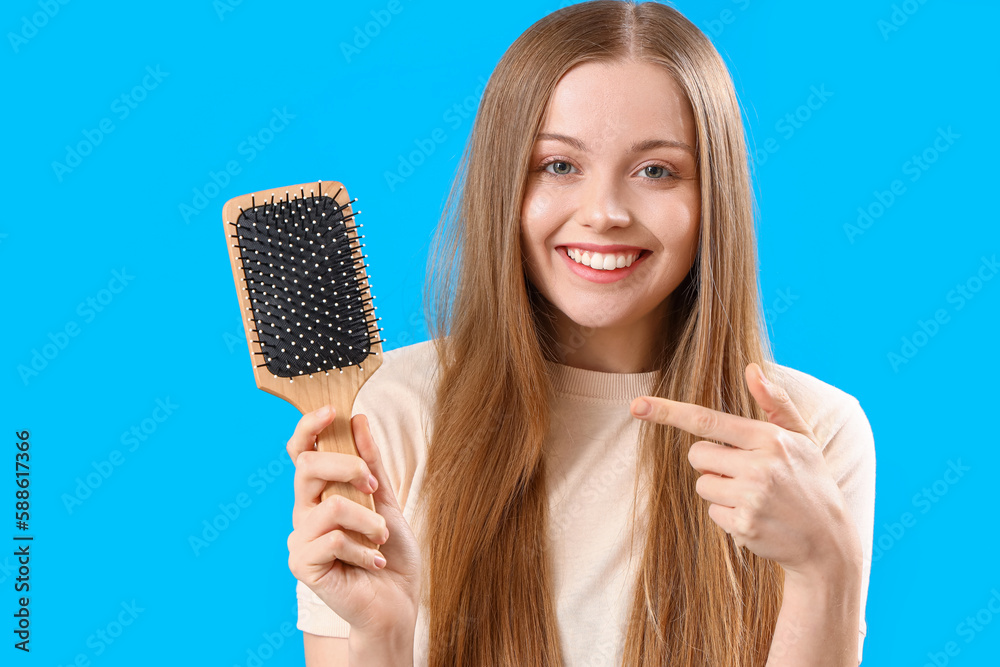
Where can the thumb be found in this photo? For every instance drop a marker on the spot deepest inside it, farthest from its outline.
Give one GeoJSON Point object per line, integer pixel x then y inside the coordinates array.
{"type": "Point", "coordinates": [776, 402]}
{"type": "Point", "coordinates": [369, 451]}
{"type": "Point", "coordinates": [400, 550]}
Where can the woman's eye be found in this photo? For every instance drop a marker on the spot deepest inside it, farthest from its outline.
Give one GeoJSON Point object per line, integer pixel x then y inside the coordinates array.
{"type": "Point", "coordinates": [559, 167]}
{"type": "Point", "coordinates": [656, 171]}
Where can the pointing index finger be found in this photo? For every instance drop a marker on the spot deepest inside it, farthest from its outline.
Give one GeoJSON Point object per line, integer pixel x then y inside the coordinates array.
{"type": "Point", "coordinates": [701, 421]}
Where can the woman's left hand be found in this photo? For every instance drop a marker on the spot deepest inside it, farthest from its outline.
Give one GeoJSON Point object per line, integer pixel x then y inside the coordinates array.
{"type": "Point", "coordinates": [771, 491]}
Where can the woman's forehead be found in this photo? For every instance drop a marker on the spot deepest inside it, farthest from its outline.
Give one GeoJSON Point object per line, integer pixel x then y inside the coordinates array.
{"type": "Point", "coordinates": [619, 100]}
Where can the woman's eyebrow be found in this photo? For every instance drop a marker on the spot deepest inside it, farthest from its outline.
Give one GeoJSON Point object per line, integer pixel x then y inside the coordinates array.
{"type": "Point", "coordinates": [637, 147]}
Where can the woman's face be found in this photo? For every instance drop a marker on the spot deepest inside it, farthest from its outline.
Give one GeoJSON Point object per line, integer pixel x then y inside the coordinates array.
{"type": "Point", "coordinates": [613, 184]}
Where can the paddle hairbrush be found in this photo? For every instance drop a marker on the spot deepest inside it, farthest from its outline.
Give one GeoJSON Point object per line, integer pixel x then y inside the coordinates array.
{"type": "Point", "coordinates": [307, 304]}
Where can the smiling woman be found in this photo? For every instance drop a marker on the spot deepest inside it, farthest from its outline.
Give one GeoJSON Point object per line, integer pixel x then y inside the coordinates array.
{"type": "Point", "coordinates": [596, 459]}
{"type": "Point", "coordinates": [610, 217]}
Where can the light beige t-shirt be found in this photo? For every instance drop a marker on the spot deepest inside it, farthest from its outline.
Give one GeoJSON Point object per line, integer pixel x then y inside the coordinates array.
{"type": "Point", "coordinates": [591, 464]}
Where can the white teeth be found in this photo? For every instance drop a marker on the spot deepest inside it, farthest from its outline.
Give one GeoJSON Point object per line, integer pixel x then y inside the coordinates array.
{"type": "Point", "coordinates": [601, 261]}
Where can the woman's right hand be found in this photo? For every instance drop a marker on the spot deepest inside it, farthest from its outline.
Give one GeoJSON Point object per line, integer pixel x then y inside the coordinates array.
{"type": "Point", "coordinates": [374, 600]}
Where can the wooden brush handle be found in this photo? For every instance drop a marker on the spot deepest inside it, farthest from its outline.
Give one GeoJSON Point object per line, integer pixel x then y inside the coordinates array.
{"type": "Point", "coordinates": [338, 437]}
{"type": "Point", "coordinates": [310, 392]}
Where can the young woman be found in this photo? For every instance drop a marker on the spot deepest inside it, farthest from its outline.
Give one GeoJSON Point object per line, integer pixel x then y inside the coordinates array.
{"type": "Point", "coordinates": [595, 461]}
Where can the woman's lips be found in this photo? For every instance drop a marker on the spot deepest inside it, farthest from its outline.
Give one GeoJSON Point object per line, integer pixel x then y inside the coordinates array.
{"type": "Point", "coordinates": [593, 247]}
{"type": "Point", "coordinates": [600, 275]}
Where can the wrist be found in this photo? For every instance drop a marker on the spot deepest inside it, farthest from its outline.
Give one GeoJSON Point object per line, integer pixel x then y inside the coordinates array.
{"type": "Point", "coordinates": [835, 577]}
{"type": "Point", "coordinates": [840, 559]}
{"type": "Point", "coordinates": [392, 647]}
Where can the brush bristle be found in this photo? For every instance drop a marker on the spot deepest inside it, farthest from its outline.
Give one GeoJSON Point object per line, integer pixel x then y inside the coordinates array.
{"type": "Point", "coordinates": [305, 287]}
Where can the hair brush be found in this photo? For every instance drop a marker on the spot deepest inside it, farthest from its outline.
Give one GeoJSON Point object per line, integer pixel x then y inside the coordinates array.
{"type": "Point", "coordinates": [307, 305]}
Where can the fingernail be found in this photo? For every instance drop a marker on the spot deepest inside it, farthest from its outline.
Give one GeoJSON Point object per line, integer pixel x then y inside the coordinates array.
{"type": "Point", "coordinates": [642, 407]}
{"type": "Point", "coordinates": [760, 374]}
{"type": "Point", "coordinates": [379, 561]}
{"type": "Point", "coordinates": [372, 482]}
{"type": "Point", "coordinates": [323, 412]}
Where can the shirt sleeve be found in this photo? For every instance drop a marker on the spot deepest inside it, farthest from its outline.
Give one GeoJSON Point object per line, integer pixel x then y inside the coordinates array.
{"type": "Point", "coordinates": [850, 456]}
{"type": "Point", "coordinates": [315, 617]}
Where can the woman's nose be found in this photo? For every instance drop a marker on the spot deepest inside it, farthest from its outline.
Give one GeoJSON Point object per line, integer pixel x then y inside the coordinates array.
{"type": "Point", "coordinates": [602, 205]}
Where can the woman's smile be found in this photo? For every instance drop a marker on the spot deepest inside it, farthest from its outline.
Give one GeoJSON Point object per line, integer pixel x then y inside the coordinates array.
{"type": "Point", "coordinates": [598, 267]}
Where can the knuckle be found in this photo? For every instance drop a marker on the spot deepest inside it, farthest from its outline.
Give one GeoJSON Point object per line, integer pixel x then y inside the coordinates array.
{"type": "Point", "coordinates": [762, 473]}
{"type": "Point", "coordinates": [295, 450]}
{"type": "Point", "coordinates": [706, 422]}
{"type": "Point", "coordinates": [775, 472]}
{"type": "Point", "coordinates": [299, 515]}
{"type": "Point", "coordinates": [294, 565]}
{"type": "Point", "coordinates": [334, 504]}
{"type": "Point", "coordinates": [306, 461]}
{"type": "Point", "coordinates": [308, 458]}
{"type": "Point", "coordinates": [783, 442]}
{"type": "Point", "coordinates": [743, 522]}
{"type": "Point", "coordinates": [755, 499]}
{"type": "Point", "coordinates": [338, 540]}
{"type": "Point", "coordinates": [340, 507]}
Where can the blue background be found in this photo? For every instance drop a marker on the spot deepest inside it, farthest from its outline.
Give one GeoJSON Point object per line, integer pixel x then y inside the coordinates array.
{"type": "Point", "coordinates": [840, 302]}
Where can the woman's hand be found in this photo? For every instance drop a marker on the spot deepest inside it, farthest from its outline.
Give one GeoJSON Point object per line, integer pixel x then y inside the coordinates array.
{"type": "Point", "coordinates": [376, 597]}
{"type": "Point", "coordinates": [771, 491]}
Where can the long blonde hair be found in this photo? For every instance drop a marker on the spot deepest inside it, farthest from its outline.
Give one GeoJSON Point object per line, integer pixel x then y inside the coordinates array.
{"type": "Point", "coordinates": [699, 599]}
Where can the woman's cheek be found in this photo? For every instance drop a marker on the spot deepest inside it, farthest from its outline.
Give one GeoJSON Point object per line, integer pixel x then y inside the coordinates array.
{"type": "Point", "coordinates": [536, 205]}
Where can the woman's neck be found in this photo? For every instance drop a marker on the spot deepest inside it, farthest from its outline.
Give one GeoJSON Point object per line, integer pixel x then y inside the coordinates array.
{"type": "Point", "coordinates": [622, 349]}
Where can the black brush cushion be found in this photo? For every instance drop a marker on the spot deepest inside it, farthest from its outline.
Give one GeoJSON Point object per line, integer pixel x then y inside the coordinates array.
{"type": "Point", "coordinates": [304, 286]}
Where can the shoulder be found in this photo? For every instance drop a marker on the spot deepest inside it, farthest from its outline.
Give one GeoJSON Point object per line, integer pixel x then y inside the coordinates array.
{"type": "Point", "coordinates": [835, 416]}
{"type": "Point", "coordinates": [401, 391]}
{"type": "Point", "coordinates": [407, 370]}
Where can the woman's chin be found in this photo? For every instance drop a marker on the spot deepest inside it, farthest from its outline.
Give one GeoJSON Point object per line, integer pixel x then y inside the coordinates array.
{"type": "Point", "coordinates": [592, 317]}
